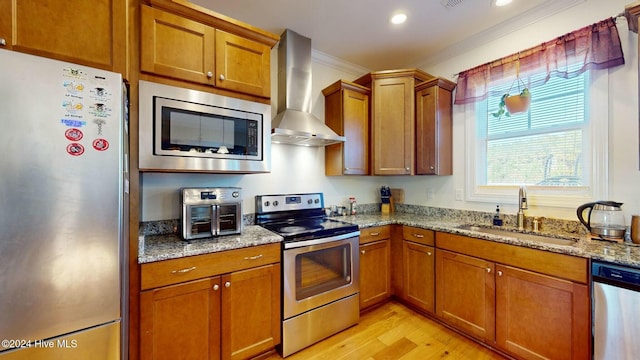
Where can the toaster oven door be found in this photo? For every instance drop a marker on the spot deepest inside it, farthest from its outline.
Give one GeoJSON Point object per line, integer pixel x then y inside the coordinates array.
{"type": "Point", "coordinates": [229, 219]}
{"type": "Point", "coordinates": [199, 221]}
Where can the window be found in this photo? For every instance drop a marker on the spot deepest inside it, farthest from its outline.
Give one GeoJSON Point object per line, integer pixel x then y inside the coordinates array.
{"type": "Point", "coordinates": [559, 146]}
{"type": "Point", "coordinates": [542, 146]}
{"type": "Point", "coordinates": [556, 148]}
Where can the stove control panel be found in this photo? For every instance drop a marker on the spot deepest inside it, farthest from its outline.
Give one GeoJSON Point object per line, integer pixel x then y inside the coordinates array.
{"type": "Point", "coordinates": [288, 202]}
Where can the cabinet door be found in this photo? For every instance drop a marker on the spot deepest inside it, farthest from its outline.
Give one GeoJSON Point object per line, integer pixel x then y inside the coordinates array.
{"type": "Point", "coordinates": [176, 47]}
{"type": "Point", "coordinates": [419, 281]}
{"type": "Point", "coordinates": [465, 291]}
{"type": "Point", "coordinates": [181, 321]}
{"type": "Point", "coordinates": [375, 272]}
{"type": "Point", "coordinates": [393, 126]}
{"type": "Point", "coordinates": [347, 113]}
{"type": "Point", "coordinates": [541, 317]}
{"type": "Point", "coordinates": [91, 33]}
{"type": "Point", "coordinates": [433, 131]}
{"type": "Point", "coordinates": [242, 65]}
{"type": "Point", "coordinates": [250, 312]}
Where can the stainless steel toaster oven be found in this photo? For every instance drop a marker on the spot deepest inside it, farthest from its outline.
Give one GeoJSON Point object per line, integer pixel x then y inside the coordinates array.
{"type": "Point", "coordinates": [209, 212]}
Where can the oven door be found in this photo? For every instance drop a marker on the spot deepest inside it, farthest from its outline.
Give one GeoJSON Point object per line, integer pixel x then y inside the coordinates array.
{"type": "Point", "coordinates": [319, 271]}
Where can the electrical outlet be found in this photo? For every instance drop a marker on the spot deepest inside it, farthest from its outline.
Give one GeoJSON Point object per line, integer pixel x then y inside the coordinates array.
{"type": "Point", "coordinates": [459, 194]}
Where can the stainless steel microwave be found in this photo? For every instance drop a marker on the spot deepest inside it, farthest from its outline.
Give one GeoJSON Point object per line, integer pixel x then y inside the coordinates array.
{"type": "Point", "coordinates": [188, 130]}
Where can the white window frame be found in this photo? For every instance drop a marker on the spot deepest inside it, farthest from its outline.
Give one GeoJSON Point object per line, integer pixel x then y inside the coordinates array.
{"type": "Point", "coordinates": [552, 196]}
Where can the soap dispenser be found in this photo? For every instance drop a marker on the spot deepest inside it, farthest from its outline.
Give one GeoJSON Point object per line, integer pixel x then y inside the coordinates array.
{"type": "Point", "coordinates": [497, 218]}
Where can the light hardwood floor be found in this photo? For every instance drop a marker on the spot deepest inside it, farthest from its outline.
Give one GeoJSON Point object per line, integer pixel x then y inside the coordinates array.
{"type": "Point", "coordinates": [394, 332]}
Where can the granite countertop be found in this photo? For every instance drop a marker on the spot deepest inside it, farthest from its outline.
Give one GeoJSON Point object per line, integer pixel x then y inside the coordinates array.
{"type": "Point", "coordinates": [163, 247]}
{"type": "Point", "coordinates": [621, 253]}
{"type": "Point", "coordinates": [171, 246]}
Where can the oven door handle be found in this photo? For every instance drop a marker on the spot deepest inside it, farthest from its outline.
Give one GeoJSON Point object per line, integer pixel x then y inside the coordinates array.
{"type": "Point", "coordinates": [299, 244]}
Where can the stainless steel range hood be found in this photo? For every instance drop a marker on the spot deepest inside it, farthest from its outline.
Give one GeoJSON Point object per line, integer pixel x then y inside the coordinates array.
{"type": "Point", "coordinates": [294, 124]}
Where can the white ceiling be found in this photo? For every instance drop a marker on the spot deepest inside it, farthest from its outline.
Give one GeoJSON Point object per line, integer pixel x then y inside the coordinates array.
{"type": "Point", "coordinates": [359, 31]}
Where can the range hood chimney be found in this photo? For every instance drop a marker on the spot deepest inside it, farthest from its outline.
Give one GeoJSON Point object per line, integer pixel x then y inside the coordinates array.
{"type": "Point", "coordinates": [294, 124]}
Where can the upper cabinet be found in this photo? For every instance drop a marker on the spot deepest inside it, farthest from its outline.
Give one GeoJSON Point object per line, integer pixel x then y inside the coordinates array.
{"type": "Point", "coordinates": [91, 33]}
{"type": "Point", "coordinates": [184, 42]}
{"type": "Point", "coordinates": [173, 46]}
{"type": "Point", "coordinates": [346, 111]}
{"type": "Point", "coordinates": [434, 128]}
{"type": "Point", "coordinates": [393, 119]}
{"type": "Point", "coordinates": [410, 122]}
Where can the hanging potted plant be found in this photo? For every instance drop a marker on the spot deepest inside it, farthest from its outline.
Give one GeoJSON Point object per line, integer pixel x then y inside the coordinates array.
{"type": "Point", "coordinates": [512, 104]}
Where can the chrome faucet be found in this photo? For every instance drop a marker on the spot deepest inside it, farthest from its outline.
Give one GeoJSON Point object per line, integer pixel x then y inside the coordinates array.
{"type": "Point", "coordinates": [522, 206]}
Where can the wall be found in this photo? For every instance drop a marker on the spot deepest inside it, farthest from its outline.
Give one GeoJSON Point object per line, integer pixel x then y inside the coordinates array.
{"type": "Point", "coordinates": [301, 169]}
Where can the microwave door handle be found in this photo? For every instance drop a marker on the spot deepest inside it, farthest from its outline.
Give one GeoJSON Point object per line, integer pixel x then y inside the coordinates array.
{"type": "Point", "coordinates": [215, 220]}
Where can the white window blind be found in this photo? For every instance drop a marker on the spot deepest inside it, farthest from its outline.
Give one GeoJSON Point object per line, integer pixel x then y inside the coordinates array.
{"type": "Point", "coordinates": [543, 146]}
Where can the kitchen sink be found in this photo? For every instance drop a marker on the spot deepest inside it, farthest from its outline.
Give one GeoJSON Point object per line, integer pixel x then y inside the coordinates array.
{"type": "Point", "coordinates": [519, 235]}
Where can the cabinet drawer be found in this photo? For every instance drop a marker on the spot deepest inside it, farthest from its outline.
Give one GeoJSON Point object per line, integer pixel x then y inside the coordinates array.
{"type": "Point", "coordinates": [375, 233]}
{"type": "Point", "coordinates": [421, 236]}
{"type": "Point", "coordinates": [175, 271]}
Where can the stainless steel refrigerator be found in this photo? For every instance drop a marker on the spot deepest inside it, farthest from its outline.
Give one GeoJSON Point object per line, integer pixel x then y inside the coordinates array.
{"type": "Point", "coordinates": [63, 210]}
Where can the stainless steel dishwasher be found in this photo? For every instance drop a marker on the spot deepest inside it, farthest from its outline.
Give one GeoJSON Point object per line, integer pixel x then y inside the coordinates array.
{"type": "Point", "coordinates": [616, 311]}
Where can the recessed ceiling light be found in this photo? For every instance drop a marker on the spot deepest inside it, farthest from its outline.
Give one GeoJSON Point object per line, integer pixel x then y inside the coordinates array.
{"type": "Point", "coordinates": [399, 18]}
{"type": "Point", "coordinates": [501, 2]}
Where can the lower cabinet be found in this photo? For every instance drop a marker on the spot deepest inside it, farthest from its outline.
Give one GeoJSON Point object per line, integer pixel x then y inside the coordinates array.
{"type": "Point", "coordinates": [465, 293]}
{"type": "Point", "coordinates": [234, 315]}
{"type": "Point", "coordinates": [375, 265]}
{"type": "Point", "coordinates": [418, 256]}
{"type": "Point", "coordinates": [529, 314]}
{"type": "Point", "coordinates": [181, 321]}
{"type": "Point", "coordinates": [541, 317]}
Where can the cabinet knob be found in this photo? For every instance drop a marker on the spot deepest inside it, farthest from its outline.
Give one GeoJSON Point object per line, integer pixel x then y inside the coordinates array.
{"type": "Point", "coordinates": [432, 167]}
{"type": "Point", "coordinates": [3, 42]}
{"type": "Point", "coordinates": [209, 74]}
{"type": "Point", "coordinates": [429, 253]}
{"type": "Point", "coordinates": [227, 284]}
{"type": "Point", "coordinates": [488, 270]}
{"type": "Point", "coordinates": [499, 273]}
{"type": "Point", "coordinates": [216, 287]}
{"type": "Point", "coordinates": [407, 169]}
{"type": "Point", "coordinates": [221, 77]}
{"type": "Point", "coordinates": [362, 252]}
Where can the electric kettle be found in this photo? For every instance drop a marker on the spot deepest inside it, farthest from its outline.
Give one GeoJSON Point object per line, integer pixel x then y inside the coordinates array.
{"type": "Point", "coordinates": [605, 219]}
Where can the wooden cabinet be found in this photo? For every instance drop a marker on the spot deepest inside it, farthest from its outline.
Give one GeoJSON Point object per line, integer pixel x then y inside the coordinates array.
{"type": "Point", "coordinates": [346, 111]}
{"type": "Point", "coordinates": [91, 33]}
{"type": "Point", "coordinates": [375, 266]}
{"type": "Point", "coordinates": [530, 303]}
{"type": "Point", "coordinates": [541, 317]}
{"type": "Point", "coordinates": [410, 122]}
{"type": "Point", "coordinates": [419, 268]}
{"type": "Point", "coordinates": [181, 321]}
{"type": "Point", "coordinates": [242, 65]}
{"type": "Point", "coordinates": [250, 312]}
{"type": "Point", "coordinates": [173, 46]}
{"type": "Point", "coordinates": [178, 47]}
{"type": "Point", "coordinates": [230, 315]}
{"type": "Point", "coordinates": [393, 119]}
{"type": "Point", "coordinates": [434, 136]}
{"type": "Point", "coordinates": [465, 293]}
